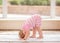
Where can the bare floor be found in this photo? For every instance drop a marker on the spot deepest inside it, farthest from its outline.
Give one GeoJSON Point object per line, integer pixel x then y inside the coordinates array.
{"type": "Point", "coordinates": [12, 37]}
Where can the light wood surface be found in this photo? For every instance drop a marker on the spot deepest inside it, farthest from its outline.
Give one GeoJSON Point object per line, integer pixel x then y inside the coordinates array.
{"type": "Point", "coordinates": [17, 24]}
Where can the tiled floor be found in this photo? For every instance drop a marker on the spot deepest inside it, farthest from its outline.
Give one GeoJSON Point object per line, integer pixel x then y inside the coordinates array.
{"type": "Point", "coordinates": [27, 42]}
{"type": "Point", "coordinates": [12, 37]}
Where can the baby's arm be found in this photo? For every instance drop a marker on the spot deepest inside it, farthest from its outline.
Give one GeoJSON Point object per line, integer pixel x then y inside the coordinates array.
{"type": "Point", "coordinates": [26, 35]}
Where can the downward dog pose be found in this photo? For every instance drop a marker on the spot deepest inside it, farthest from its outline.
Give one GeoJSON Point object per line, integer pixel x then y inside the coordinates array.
{"type": "Point", "coordinates": [34, 23]}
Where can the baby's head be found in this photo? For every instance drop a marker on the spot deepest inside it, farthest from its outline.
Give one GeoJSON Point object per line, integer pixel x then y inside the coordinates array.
{"type": "Point", "coordinates": [21, 34]}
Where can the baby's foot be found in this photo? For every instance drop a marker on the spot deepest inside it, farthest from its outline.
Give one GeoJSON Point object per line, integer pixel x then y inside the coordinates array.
{"type": "Point", "coordinates": [32, 36]}
{"type": "Point", "coordinates": [39, 37]}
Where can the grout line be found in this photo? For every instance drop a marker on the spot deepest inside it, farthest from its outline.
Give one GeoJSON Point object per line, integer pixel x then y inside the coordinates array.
{"type": "Point", "coordinates": [19, 29]}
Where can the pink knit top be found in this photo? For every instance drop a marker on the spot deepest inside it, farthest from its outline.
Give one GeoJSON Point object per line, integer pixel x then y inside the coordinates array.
{"type": "Point", "coordinates": [31, 22]}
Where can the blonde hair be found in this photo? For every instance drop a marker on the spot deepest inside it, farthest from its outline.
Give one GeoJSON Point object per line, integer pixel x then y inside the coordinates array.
{"type": "Point", "coordinates": [21, 34]}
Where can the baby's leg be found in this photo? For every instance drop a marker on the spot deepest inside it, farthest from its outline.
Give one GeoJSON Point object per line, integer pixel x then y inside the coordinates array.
{"type": "Point", "coordinates": [34, 32]}
{"type": "Point", "coordinates": [39, 31]}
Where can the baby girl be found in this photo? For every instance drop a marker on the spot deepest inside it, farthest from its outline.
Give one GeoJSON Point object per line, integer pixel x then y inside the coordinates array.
{"type": "Point", "coordinates": [34, 23]}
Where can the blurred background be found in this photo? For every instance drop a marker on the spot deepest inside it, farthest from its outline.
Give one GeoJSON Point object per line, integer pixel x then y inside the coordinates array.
{"type": "Point", "coordinates": [14, 12]}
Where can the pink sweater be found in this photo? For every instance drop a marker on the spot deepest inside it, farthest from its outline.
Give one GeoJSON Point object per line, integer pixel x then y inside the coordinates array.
{"type": "Point", "coordinates": [31, 22]}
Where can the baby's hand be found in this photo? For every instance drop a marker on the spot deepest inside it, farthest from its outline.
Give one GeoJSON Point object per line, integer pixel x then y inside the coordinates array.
{"type": "Point", "coordinates": [22, 38]}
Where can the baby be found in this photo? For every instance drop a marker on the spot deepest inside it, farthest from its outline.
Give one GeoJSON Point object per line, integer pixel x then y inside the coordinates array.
{"type": "Point", "coordinates": [34, 23]}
